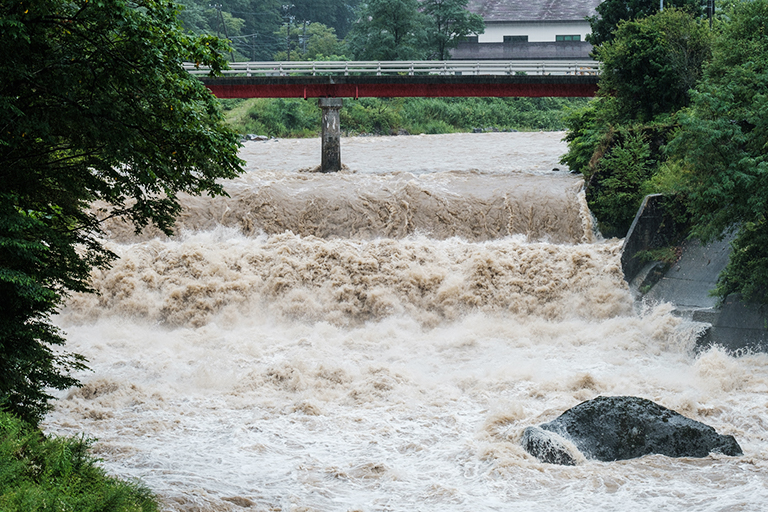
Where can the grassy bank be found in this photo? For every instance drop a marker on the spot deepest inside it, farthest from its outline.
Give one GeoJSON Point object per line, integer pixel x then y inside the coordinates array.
{"type": "Point", "coordinates": [392, 116]}
{"type": "Point", "coordinates": [56, 474]}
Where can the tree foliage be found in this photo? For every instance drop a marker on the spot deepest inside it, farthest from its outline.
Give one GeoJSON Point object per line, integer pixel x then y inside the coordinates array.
{"type": "Point", "coordinates": [610, 13]}
{"type": "Point", "coordinates": [337, 14]}
{"type": "Point", "coordinates": [449, 21]}
{"type": "Point", "coordinates": [249, 24]}
{"type": "Point", "coordinates": [651, 64]}
{"type": "Point", "coordinates": [374, 29]}
{"type": "Point", "coordinates": [411, 29]}
{"type": "Point", "coordinates": [310, 41]}
{"type": "Point", "coordinates": [722, 148]}
{"type": "Point", "coordinates": [586, 126]}
{"type": "Point", "coordinates": [614, 189]}
{"type": "Point", "coordinates": [388, 30]}
{"type": "Point", "coordinates": [252, 26]}
{"type": "Point", "coordinates": [95, 108]}
{"type": "Point", "coordinates": [648, 69]}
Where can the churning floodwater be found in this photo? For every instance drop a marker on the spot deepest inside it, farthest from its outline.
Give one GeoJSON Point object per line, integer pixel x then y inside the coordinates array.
{"type": "Point", "coordinates": [378, 340]}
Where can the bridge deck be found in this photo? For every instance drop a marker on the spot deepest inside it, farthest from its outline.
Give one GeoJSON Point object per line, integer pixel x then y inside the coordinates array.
{"type": "Point", "coordinates": [403, 79]}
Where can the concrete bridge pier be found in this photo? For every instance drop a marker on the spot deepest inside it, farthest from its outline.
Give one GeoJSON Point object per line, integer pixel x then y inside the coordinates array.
{"type": "Point", "coordinates": [331, 134]}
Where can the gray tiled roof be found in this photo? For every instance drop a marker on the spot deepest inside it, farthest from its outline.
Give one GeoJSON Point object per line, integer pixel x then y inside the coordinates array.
{"type": "Point", "coordinates": [533, 10]}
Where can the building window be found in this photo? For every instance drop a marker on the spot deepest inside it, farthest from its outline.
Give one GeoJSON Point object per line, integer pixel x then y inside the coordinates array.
{"type": "Point", "coordinates": [563, 39]}
{"type": "Point", "coordinates": [515, 39]}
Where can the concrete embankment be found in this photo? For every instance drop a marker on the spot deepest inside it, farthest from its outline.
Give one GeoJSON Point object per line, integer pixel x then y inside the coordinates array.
{"type": "Point", "coordinates": [735, 324]}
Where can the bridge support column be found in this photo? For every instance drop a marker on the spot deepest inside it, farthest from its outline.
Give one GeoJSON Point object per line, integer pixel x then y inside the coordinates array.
{"type": "Point", "coordinates": [331, 134]}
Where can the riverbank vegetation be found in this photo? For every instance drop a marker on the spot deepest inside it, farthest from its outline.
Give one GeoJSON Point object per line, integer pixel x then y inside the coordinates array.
{"type": "Point", "coordinates": [617, 141]}
{"type": "Point", "coordinates": [393, 116]}
{"type": "Point", "coordinates": [39, 473]}
{"type": "Point", "coordinates": [682, 111]}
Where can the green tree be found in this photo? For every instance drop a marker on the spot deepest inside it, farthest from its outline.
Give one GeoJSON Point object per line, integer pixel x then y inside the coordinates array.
{"type": "Point", "coordinates": [388, 30]}
{"type": "Point", "coordinates": [96, 108]}
{"type": "Point", "coordinates": [721, 149]}
{"type": "Point", "coordinates": [448, 21]}
{"type": "Point", "coordinates": [611, 12]}
{"type": "Point", "coordinates": [336, 14]}
{"type": "Point", "coordinates": [210, 18]}
{"type": "Point", "coordinates": [310, 41]}
{"type": "Point", "coordinates": [648, 70]}
{"type": "Point", "coordinates": [249, 24]}
{"type": "Point", "coordinates": [586, 126]}
{"type": "Point", "coordinates": [262, 18]}
{"type": "Point", "coordinates": [652, 63]}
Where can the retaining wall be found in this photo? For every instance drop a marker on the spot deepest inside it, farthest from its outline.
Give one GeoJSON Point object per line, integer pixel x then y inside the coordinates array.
{"type": "Point", "coordinates": [735, 325]}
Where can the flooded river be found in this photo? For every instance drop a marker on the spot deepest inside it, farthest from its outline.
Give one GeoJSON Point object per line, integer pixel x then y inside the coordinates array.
{"type": "Point", "coordinates": [378, 340]}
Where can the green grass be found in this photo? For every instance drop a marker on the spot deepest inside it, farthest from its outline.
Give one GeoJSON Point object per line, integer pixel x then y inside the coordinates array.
{"type": "Point", "coordinates": [57, 474]}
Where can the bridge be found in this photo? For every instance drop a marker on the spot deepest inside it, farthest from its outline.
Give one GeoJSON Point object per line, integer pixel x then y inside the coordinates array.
{"type": "Point", "coordinates": [387, 79]}
{"type": "Point", "coordinates": [330, 81]}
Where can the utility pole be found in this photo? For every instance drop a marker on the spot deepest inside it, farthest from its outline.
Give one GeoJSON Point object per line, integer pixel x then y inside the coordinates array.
{"type": "Point", "coordinates": [218, 18]}
{"type": "Point", "coordinates": [220, 23]}
{"type": "Point", "coordinates": [287, 13]}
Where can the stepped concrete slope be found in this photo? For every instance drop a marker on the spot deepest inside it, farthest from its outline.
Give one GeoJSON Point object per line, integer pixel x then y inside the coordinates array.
{"type": "Point", "coordinates": [735, 325]}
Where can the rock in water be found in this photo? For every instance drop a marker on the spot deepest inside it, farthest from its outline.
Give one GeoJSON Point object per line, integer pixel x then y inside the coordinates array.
{"type": "Point", "coordinates": [548, 446]}
{"type": "Point", "coordinates": [623, 427]}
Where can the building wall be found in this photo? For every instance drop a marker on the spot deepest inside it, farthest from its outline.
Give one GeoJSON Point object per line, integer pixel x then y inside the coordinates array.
{"type": "Point", "coordinates": [524, 51]}
{"type": "Point", "coordinates": [537, 31]}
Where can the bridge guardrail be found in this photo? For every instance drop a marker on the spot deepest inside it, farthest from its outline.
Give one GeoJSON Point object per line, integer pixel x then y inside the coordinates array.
{"type": "Point", "coordinates": [427, 67]}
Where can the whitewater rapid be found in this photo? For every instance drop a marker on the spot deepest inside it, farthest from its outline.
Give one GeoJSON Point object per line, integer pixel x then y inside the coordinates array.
{"type": "Point", "coordinates": [379, 339]}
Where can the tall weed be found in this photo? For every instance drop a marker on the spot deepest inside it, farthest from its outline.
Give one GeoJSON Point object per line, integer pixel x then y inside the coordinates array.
{"type": "Point", "coordinates": [56, 474]}
{"type": "Point", "coordinates": [390, 116]}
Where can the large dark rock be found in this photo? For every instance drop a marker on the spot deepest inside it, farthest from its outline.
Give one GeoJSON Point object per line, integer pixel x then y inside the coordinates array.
{"type": "Point", "coordinates": [623, 427]}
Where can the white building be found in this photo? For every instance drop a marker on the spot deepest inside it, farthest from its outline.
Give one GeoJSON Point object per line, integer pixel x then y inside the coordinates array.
{"type": "Point", "coordinates": [530, 29]}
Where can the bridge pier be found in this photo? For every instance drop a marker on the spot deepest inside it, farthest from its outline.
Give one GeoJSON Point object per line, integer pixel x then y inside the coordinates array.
{"type": "Point", "coordinates": [331, 134]}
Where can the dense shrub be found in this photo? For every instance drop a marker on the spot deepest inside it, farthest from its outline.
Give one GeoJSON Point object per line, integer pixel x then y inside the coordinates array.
{"type": "Point", "coordinates": [372, 115]}
{"type": "Point", "coordinates": [747, 270]}
{"type": "Point", "coordinates": [721, 149]}
{"type": "Point", "coordinates": [614, 190]}
{"type": "Point", "coordinates": [622, 169]}
{"type": "Point", "coordinates": [587, 127]}
{"type": "Point", "coordinates": [389, 116]}
{"type": "Point", "coordinates": [282, 118]}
